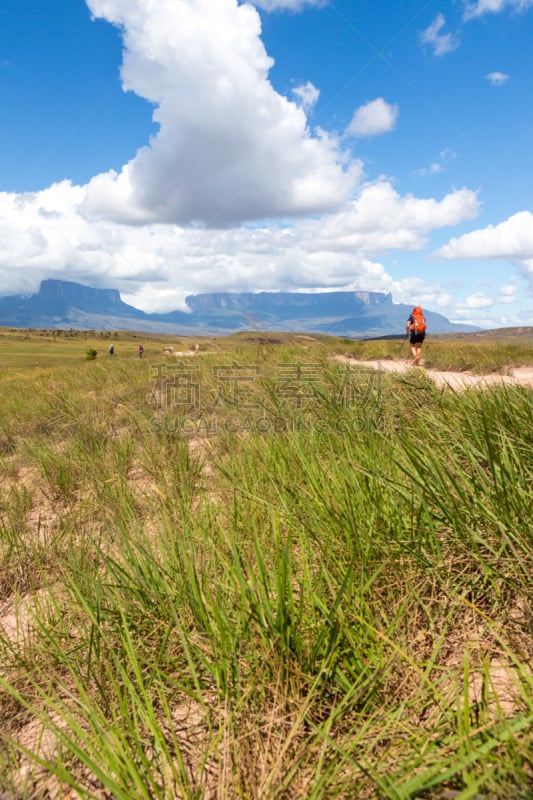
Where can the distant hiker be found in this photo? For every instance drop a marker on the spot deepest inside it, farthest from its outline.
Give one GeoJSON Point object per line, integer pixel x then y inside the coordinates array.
{"type": "Point", "coordinates": [141, 351]}
{"type": "Point", "coordinates": [111, 349]}
{"type": "Point", "coordinates": [415, 327]}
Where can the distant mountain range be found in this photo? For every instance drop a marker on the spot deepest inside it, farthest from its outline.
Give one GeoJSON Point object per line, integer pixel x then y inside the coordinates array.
{"type": "Point", "coordinates": [63, 304]}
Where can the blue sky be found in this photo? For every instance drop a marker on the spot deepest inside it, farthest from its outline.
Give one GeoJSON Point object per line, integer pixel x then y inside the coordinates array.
{"type": "Point", "coordinates": [189, 146]}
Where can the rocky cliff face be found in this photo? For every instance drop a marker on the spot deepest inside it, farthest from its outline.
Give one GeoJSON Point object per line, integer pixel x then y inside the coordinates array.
{"type": "Point", "coordinates": [75, 294]}
{"type": "Point", "coordinates": [275, 300]}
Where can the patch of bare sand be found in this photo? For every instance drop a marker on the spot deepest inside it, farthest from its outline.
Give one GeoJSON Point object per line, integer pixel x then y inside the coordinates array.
{"type": "Point", "coordinates": [199, 448]}
{"type": "Point", "coordinates": [169, 352]}
{"type": "Point", "coordinates": [481, 672]}
{"type": "Point", "coordinates": [14, 620]}
{"type": "Point", "coordinates": [459, 381]}
{"type": "Point", "coordinates": [19, 615]}
{"type": "Point", "coordinates": [31, 780]}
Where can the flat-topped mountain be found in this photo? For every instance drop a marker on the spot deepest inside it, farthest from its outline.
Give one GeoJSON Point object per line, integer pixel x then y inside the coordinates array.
{"type": "Point", "coordinates": [64, 304]}
{"type": "Point", "coordinates": [67, 292]}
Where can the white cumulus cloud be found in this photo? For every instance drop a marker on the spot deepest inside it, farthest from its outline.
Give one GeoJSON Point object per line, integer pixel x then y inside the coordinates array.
{"type": "Point", "coordinates": [476, 300]}
{"type": "Point", "coordinates": [508, 293]}
{"type": "Point", "coordinates": [441, 43]}
{"type": "Point", "coordinates": [381, 219]}
{"type": "Point", "coordinates": [497, 78]}
{"type": "Point", "coordinates": [307, 95]}
{"type": "Point", "coordinates": [373, 118]}
{"type": "Point", "coordinates": [437, 166]}
{"type": "Point", "coordinates": [482, 7]}
{"type": "Point", "coordinates": [512, 239]}
{"type": "Point", "coordinates": [229, 147]}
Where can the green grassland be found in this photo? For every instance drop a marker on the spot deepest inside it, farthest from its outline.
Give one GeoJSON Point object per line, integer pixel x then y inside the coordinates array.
{"type": "Point", "coordinates": [259, 573]}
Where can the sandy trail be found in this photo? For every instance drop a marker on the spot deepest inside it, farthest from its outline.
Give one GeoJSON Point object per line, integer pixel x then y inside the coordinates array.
{"type": "Point", "coordinates": [458, 381]}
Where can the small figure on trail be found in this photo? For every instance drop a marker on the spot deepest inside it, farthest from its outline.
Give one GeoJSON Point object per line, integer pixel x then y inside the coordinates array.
{"type": "Point", "coordinates": [111, 349]}
{"type": "Point", "coordinates": [141, 351]}
{"type": "Point", "coordinates": [416, 329]}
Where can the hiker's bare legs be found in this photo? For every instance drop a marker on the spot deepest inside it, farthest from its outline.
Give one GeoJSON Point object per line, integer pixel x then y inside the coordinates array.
{"type": "Point", "coordinates": [416, 350]}
{"type": "Point", "coordinates": [415, 343]}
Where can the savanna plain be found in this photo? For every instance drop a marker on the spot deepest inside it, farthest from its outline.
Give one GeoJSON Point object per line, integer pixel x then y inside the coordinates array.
{"type": "Point", "coordinates": [251, 567]}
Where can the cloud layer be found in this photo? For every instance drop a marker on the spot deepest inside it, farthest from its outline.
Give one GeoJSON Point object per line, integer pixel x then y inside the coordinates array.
{"type": "Point", "coordinates": [157, 265]}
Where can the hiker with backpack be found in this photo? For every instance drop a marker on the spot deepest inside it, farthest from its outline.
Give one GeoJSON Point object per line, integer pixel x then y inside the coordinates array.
{"type": "Point", "coordinates": [416, 330]}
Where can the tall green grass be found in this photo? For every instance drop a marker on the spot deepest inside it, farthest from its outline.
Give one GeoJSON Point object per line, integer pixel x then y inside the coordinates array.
{"type": "Point", "coordinates": [326, 599]}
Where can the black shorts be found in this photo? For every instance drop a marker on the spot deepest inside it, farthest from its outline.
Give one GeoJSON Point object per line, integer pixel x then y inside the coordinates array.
{"type": "Point", "coordinates": [416, 338]}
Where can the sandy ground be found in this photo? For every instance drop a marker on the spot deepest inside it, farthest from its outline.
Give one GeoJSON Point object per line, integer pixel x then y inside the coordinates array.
{"type": "Point", "coordinates": [455, 380]}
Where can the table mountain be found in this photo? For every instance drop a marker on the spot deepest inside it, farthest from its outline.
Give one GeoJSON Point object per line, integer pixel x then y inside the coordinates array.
{"type": "Point", "coordinates": [64, 304]}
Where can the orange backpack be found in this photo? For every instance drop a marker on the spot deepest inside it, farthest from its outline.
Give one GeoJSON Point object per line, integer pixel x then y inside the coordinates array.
{"type": "Point", "coordinates": [418, 324]}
